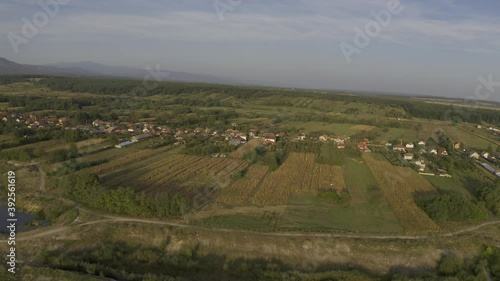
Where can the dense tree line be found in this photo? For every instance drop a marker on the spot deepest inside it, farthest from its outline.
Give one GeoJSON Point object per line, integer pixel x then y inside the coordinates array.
{"type": "Point", "coordinates": [34, 103]}
{"type": "Point", "coordinates": [86, 188]}
{"type": "Point", "coordinates": [129, 87]}
{"type": "Point", "coordinates": [452, 207]}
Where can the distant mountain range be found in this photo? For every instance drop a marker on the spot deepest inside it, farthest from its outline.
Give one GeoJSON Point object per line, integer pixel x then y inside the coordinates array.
{"type": "Point", "coordinates": [89, 68]}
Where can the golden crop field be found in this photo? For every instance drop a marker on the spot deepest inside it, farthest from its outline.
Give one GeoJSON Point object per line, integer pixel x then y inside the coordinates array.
{"type": "Point", "coordinates": [398, 186]}
{"type": "Point", "coordinates": [171, 170]}
{"type": "Point", "coordinates": [298, 174]}
{"type": "Point", "coordinates": [239, 192]}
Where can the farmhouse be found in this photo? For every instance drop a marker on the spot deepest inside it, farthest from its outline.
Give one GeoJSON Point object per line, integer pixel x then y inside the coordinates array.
{"type": "Point", "coordinates": [420, 164]}
{"type": "Point", "coordinates": [324, 138]}
{"type": "Point", "coordinates": [485, 154]}
{"type": "Point", "coordinates": [253, 133]}
{"type": "Point", "coordinates": [422, 143]}
{"type": "Point", "coordinates": [398, 147]}
{"type": "Point", "coordinates": [362, 146]}
{"type": "Point", "coordinates": [141, 137]}
{"type": "Point", "coordinates": [301, 137]}
{"type": "Point", "coordinates": [339, 139]}
{"type": "Point", "coordinates": [474, 155]}
{"type": "Point", "coordinates": [269, 138]}
{"type": "Point", "coordinates": [408, 156]}
{"type": "Point", "coordinates": [97, 123]}
{"type": "Point", "coordinates": [433, 151]}
{"type": "Point", "coordinates": [422, 151]}
{"type": "Point", "coordinates": [341, 146]}
{"type": "Point", "coordinates": [410, 145]}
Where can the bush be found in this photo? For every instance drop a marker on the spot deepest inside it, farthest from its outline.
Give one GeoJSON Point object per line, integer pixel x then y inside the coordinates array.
{"type": "Point", "coordinates": [450, 207]}
{"type": "Point", "coordinates": [449, 265]}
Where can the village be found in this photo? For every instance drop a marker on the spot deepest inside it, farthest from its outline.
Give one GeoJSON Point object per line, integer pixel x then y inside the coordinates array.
{"type": "Point", "coordinates": [415, 154]}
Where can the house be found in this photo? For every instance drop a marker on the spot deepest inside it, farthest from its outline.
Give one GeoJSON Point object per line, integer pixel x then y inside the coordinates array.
{"type": "Point", "coordinates": [457, 145]}
{"type": "Point", "coordinates": [112, 129]}
{"type": "Point", "coordinates": [399, 147]}
{"type": "Point", "coordinates": [242, 137]}
{"type": "Point", "coordinates": [63, 122]}
{"type": "Point", "coordinates": [388, 144]}
{"type": "Point", "coordinates": [301, 137]}
{"type": "Point", "coordinates": [269, 138]}
{"type": "Point", "coordinates": [341, 146]}
{"type": "Point", "coordinates": [253, 133]}
{"type": "Point", "coordinates": [141, 137]}
{"type": "Point", "coordinates": [422, 151]}
{"type": "Point", "coordinates": [324, 138]}
{"type": "Point", "coordinates": [97, 123]}
{"type": "Point", "coordinates": [485, 154]}
{"type": "Point", "coordinates": [422, 143]}
{"type": "Point", "coordinates": [474, 155]}
{"type": "Point", "coordinates": [443, 152]}
{"type": "Point", "coordinates": [420, 164]}
{"type": "Point", "coordinates": [408, 156]}
{"type": "Point", "coordinates": [198, 130]}
{"type": "Point", "coordinates": [410, 145]}
{"type": "Point", "coordinates": [432, 151]}
{"type": "Point", "coordinates": [363, 146]}
{"type": "Point", "coordinates": [123, 144]}
{"type": "Point", "coordinates": [339, 139]}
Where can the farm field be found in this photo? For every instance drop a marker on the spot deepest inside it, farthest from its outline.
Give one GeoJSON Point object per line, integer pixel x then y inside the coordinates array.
{"type": "Point", "coordinates": [445, 185]}
{"type": "Point", "coordinates": [240, 191]}
{"type": "Point", "coordinates": [406, 135]}
{"type": "Point", "coordinates": [169, 171]}
{"type": "Point", "coordinates": [337, 128]}
{"type": "Point", "coordinates": [49, 145]}
{"type": "Point", "coordinates": [367, 212]}
{"type": "Point", "coordinates": [467, 138]}
{"type": "Point", "coordinates": [399, 185]}
{"type": "Point", "coordinates": [298, 174]}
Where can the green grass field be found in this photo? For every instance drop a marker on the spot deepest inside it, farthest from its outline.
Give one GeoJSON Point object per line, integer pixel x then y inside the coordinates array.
{"type": "Point", "coordinates": [445, 185]}
{"type": "Point", "coordinates": [467, 138]}
{"type": "Point", "coordinates": [337, 128]}
{"type": "Point", "coordinates": [407, 135]}
{"type": "Point", "coordinates": [368, 211]}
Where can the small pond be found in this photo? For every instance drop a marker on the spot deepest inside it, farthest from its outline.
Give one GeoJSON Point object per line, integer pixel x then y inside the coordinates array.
{"type": "Point", "coordinates": [25, 222]}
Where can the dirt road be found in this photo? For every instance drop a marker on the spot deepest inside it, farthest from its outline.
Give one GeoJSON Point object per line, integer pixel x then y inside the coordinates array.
{"type": "Point", "coordinates": [117, 219]}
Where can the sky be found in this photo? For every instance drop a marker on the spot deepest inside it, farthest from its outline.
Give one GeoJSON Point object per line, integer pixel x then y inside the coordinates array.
{"type": "Point", "coordinates": [427, 47]}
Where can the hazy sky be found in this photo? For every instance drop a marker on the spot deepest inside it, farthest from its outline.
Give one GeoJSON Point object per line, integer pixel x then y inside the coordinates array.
{"type": "Point", "coordinates": [436, 47]}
